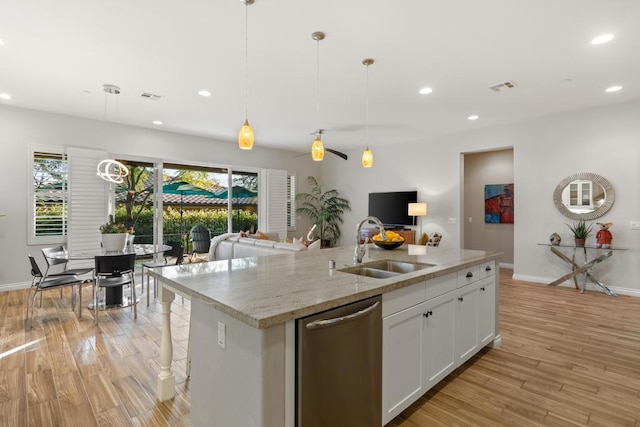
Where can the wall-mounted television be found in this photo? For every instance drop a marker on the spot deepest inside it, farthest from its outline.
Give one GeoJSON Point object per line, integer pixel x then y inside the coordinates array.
{"type": "Point", "coordinates": [392, 208]}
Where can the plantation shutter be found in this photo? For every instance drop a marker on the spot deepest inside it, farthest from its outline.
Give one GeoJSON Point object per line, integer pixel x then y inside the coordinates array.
{"type": "Point", "coordinates": [275, 205]}
{"type": "Point", "coordinates": [88, 201]}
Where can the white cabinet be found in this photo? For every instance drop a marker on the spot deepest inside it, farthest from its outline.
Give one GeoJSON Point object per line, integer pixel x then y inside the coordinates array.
{"type": "Point", "coordinates": [438, 350]}
{"type": "Point", "coordinates": [403, 342]}
{"type": "Point", "coordinates": [466, 315]}
{"type": "Point", "coordinates": [486, 311]}
{"type": "Point", "coordinates": [431, 328]}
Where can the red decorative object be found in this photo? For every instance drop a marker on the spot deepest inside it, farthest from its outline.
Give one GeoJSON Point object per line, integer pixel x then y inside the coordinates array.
{"type": "Point", "coordinates": [604, 236]}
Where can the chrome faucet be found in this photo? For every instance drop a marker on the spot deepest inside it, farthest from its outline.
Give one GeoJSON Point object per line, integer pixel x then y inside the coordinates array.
{"type": "Point", "coordinates": [362, 250]}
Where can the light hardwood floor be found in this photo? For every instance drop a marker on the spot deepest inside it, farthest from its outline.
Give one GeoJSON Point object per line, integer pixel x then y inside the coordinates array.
{"type": "Point", "coordinates": [566, 359]}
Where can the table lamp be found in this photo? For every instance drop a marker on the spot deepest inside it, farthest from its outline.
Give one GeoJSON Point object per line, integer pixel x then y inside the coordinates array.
{"type": "Point", "coordinates": [417, 210]}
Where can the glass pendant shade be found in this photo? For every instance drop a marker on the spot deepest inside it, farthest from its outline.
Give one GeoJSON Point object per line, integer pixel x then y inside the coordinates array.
{"type": "Point", "coordinates": [245, 136]}
{"type": "Point", "coordinates": [317, 150]}
{"type": "Point", "coordinates": [367, 158]}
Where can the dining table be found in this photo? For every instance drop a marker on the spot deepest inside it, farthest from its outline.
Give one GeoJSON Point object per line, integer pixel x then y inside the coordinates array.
{"type": "Point", "coordinates": [114, 296]}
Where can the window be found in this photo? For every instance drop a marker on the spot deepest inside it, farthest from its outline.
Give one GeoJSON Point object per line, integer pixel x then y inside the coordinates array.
{"type": "Point", "coordinates": [291, 202]}
{"type": "Point", "coordinates": [49, 197]}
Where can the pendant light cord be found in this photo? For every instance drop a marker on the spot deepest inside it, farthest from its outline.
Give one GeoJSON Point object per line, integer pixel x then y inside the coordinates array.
{"type": "Point", "coordinates": [367, 98]}
{"type": "Point", "coordinates": [318, 87]}
{"type": "Point", "coordinates": [246, 61]}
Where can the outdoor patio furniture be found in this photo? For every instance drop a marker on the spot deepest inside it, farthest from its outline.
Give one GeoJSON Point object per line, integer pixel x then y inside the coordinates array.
{"type": "Point", "coordinates": [201, 239]}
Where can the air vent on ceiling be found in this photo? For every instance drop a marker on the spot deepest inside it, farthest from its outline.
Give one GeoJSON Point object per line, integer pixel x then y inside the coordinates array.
{"type": "Point", "coordinates": [503, 86]}
{"type": "Point", "coordinates": [151, 96]}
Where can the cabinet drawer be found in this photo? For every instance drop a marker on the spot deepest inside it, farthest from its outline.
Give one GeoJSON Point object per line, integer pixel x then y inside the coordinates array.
{"type": "Point", "coordinates": [441, 285]}
{"type": "Point", "coordinates": [400, 299]}
{"type": "Point", "coordinates": [468, 275]}
{"type": "Point", "coordinates": [487, 269]}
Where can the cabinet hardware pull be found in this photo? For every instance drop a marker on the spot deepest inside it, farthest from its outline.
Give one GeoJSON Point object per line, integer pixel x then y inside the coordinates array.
{"type": "Point", "coordinates": [488, 268]}
{"type": "Point", "coordinates": [460, 299]}
{"type": "Point", "coordinates": [482, 289]}
{"type": "Point", "coordinates": [469, 274]}
{"type": "Point", "coordinates": [430, 313]}
{"type": "Point", "coordinates": [425, 314]}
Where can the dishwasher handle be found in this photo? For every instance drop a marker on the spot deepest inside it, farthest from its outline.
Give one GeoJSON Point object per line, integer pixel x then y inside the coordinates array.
{"type": "Point", "coordinates": [337, 320]}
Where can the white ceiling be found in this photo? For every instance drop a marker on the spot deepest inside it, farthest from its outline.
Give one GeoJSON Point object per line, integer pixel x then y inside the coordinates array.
{"type": "Point", "coordinates": [58, 54]}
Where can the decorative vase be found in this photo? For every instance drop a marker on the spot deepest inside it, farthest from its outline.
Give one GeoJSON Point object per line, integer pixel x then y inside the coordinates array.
{"type": "Point", "coordinates": [114, 242]}
{"type": "Point", "coordinates": [580, 242]}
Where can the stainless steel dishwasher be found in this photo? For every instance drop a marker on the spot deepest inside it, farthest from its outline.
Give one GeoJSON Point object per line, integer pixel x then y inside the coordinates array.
{"type": "Point", "coordinates": [339, 366]}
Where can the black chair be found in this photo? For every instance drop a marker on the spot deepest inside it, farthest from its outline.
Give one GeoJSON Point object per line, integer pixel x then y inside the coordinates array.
{"type": "Point", "coordinates": [201, 238]}
{"type": "Point", "coordinates": [51, 261]}
{"type": "Point", "coordinates": [176, 251]}
{"type": "Point", "coordinates": [41, 283]}
{"type": "Point", "coordinates": [113, 271]}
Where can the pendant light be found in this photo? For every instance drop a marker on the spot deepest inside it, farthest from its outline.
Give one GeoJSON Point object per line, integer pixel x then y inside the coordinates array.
{"type": "Point", "coordinates": [112, 170]}
{"type": "Point", "coordinates": [245, 136]}
{"type": "Point", "coordinates": [317, 149]}
{"type": "Point", "coordinates": [367, 156]}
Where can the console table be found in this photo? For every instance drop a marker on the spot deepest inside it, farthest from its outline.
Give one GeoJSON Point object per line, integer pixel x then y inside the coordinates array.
{"type": "Point", "coordinates": [585, 268]}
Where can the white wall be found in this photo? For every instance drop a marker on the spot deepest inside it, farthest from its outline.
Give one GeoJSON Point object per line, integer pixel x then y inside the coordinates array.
{"type": "Point", "coordinates": [546, 150]}
{"type": "Point", "coordinates": [21, 127]}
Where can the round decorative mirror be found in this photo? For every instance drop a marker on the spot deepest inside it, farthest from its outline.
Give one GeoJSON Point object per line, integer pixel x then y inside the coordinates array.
{"type": "Point", "coordinates": [584, 196]}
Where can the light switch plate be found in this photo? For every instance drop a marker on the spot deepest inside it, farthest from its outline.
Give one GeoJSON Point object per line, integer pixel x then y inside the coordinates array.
{"type": "Point", "coordinates": [453, 220]}
{"type": "Point", "coordinates": [635, 225]}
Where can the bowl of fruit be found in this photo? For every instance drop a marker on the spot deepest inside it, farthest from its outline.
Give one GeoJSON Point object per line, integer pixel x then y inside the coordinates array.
{"type": "Point", "coordinates": [394, 240]}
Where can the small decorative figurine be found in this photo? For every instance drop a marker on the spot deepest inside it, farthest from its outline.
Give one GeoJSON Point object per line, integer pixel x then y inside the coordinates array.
{"type": "Point", "coordinates": [555, 239]}
{"type": "Point", "coordinates": [604, 236]}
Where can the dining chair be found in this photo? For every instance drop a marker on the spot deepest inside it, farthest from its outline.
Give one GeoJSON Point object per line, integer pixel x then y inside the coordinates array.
{"type": "Point", "coordinates": [40, 283]}
{"type": "Point", "coordinates": [176, 251]}
{"type": "Point", "coordinates": [52, 258]}
{"type": "Point", "coordinates": [114, 271]}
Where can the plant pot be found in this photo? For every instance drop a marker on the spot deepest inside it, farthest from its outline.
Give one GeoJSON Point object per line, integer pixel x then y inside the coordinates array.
{"type": "Point", "coordinates": [580, 242]}
{"type": "Point", "coordinates": [114, 242]}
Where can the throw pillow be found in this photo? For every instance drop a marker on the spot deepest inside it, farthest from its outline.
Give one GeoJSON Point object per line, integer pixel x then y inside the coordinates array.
{"type": "Point", "coordinates": [314, 246]}
{"type": "Point", "coordinates": [260, 235]}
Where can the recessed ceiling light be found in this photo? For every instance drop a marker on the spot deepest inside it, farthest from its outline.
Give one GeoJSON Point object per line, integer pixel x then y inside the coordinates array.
{"type": "Point", "coordinates": [2, 42]}
{"type": "Point", "coordinates": [5, 96]}
{"type": "Point", "coordinates": [603, 38]}
{"type": "Point", "coordinates": [157, 122]}
{"type": "Point", "coordinates": [426, 90]}
{"type": "Point", "coordinates": [204, 93]}
{"type": "Point", "coordinates": [473, 117]}
{"type": "Point", "coordinates": [614, 88]}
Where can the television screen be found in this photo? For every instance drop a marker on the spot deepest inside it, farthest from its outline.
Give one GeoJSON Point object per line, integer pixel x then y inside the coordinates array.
{"type": "Point", "coordinates": [392, 209]}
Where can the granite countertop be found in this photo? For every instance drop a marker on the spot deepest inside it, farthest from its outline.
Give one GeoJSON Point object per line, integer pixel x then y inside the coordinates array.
{"type": "Point", "coordinates": [269, 290]}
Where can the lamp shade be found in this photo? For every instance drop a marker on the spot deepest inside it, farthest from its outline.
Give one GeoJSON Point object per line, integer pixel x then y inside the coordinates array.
{"type": "Point", "coordinates": [367, 158]}
{"type": "Point", "coordinates": [417, 209]}
{"type": "Point", "coordinates": [317, 150]}
{"type": "Point", "coordinates": [245, 136]}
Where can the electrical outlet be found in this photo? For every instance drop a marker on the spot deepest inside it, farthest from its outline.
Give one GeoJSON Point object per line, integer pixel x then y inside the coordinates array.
{"type": "Point", "coordinates": [453, 220]}
{"type": "Point", "coordinates": [222, 335]}
{"type": "Point", "coordinates": [470, 219]}
{"type": "Point", "coordinates": [635, 225]}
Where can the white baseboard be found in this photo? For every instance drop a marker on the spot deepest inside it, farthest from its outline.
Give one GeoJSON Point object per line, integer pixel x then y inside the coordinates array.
{"type": "Point", "coordinates": [14, 286]}
{"type": "Point", "coordinates": [590, 286]}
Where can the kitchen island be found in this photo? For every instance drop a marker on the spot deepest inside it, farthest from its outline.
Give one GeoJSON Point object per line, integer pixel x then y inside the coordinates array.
{"type": "Point", "coordinates": [243, 321]}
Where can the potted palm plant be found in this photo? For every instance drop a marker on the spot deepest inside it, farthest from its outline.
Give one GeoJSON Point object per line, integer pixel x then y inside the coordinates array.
{"type": "Point", "coordinates": [325, 209]}
{"type": "Point", "coordinates": [580, 232]}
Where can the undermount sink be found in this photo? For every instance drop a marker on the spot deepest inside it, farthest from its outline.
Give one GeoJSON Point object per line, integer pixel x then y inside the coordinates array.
{"type": "Point", "coordinates": [385, 268]}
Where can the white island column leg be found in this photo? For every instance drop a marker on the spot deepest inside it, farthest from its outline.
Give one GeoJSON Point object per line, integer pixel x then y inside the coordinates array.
{"type": "Point", "coordinates": [166, 380]}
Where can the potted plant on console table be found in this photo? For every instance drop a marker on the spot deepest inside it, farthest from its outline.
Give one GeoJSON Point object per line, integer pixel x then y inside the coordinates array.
{"type": "Point", "coordinates": [324, 208]}
{"type": "Point", "coordinates": [114, 235]}
{"type": "Point", "coordinates": [580, 232]}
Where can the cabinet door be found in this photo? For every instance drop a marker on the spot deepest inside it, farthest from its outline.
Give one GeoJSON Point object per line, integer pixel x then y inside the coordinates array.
{"type": "Point", "coordinates": [486, 311]}
{"type": "Point", "coordinates": [439, 350]}
{"type": "Point", "coordinates": [402, 367]}
{"type": "Point", "coordinates": [466, 327]}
